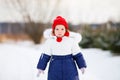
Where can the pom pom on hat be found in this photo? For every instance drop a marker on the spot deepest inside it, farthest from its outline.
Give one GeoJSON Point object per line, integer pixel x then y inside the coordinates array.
{"type": "Point", "coordinates": [59, 39]}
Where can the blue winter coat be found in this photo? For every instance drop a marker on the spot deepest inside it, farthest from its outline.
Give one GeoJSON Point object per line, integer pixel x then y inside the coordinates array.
{"type": "Point", "coordinates": [63, 57]}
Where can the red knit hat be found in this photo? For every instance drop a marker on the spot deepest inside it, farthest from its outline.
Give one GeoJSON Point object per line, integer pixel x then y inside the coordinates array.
{"type": "Point", "coordinates": [60, 21]}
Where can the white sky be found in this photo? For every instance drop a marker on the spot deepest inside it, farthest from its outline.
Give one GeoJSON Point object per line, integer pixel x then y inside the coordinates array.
{"type": "Point", "coordinates": [95, 10]}
{"type": "Point", "coordinates": [75, 11]}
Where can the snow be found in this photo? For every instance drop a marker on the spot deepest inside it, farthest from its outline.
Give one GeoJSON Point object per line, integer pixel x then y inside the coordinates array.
{"type": "Point", "coordinates": [18, 61]}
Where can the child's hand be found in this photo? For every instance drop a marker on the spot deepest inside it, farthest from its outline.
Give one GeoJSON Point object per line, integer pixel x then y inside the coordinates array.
{"type": "Point", "coordinates": [82, 70]}
{"type": "Point", "coordinates": [39, 72]}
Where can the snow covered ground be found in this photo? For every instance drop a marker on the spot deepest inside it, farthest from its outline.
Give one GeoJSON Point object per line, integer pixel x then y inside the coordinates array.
{"type": "Point", "coordinates": [18, 61]}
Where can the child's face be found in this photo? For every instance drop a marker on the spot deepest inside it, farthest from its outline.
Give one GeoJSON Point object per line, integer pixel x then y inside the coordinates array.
{"type": "Point", "coordinates": [59, 30]}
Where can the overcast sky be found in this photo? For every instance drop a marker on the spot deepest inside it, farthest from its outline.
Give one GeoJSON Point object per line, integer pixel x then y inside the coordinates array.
{"type": "Point", "coordinates": [75, 11]}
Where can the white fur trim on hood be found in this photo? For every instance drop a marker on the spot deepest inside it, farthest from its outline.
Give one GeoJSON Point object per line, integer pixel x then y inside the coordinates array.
{"type": "Point", "coordinates": [48, 34]}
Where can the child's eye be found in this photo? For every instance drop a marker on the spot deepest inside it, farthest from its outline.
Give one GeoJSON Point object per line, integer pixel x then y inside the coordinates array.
{"type": "Point", "coordinates": [62, 29]}
{"type": "Point", "coordinates": [57, 29]}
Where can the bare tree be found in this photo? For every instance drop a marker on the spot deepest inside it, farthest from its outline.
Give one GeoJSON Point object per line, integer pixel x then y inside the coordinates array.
{"type": "Point", "coordinates": [41, 9]}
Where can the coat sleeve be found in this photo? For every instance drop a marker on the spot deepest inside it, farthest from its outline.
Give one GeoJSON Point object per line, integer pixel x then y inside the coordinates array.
{"type": "Point", "coordinates": [80, 60]}
{"type": "Point", "coordinates": [78, 56]}
{"type": "Point", "coordinates": [45, 56]}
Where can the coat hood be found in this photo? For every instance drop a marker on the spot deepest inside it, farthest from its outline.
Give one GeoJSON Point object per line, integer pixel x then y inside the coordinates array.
{"type": "Point", "coordinates": [48, 34]}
